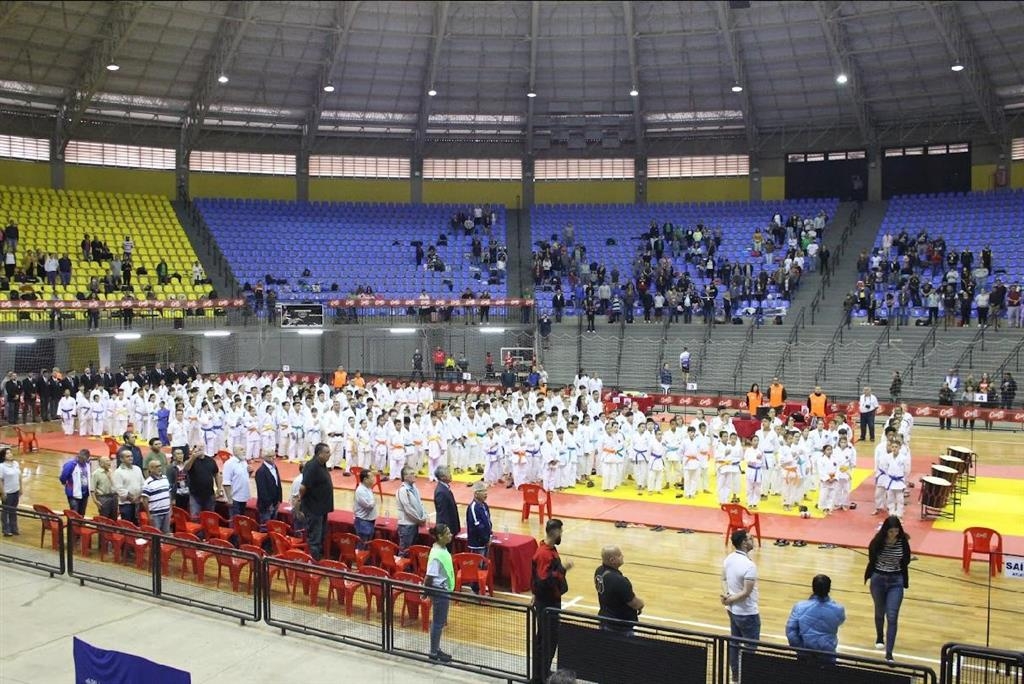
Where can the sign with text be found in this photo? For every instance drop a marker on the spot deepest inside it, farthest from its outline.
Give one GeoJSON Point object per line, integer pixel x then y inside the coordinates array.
{"type": "Point", "coordinates": [1013, 566]}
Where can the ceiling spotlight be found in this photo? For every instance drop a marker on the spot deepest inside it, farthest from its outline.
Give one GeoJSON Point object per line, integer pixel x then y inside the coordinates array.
{"type": "Point", "coordinates": [957, 66]}
{"type": "Point", "coordinates": [328, 88]}
{"type": "Point", "coordinates": [737, 88]}
{"type": "Point", "coordinates": [431, 92]}
{"type": "Point", "coordinates": [842, 79]}
{"type": "Point", "coordinates": [634, 92]}
{"type": "Point", "coordinates": [113, 67]}
{"type": "Point", "coordinates": [531, 94]}
{"type": "Point", "coordinates": [222, 79]}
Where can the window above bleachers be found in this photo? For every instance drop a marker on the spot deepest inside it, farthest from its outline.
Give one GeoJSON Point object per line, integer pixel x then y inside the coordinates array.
{"type": "Point", "coordinates": [242, 162]}
{"type": "Point", "coordinates": [347, 166]}
{"type": "Point", "coordinates": [839, 155]}
{"type": "Point", "coordinates": [702, 166]}
{"type": "Point", "coordinates": [472, 169]}
{"type": "Point", "coordinates": [1017, 149]}
{"type": "Point", "coordinates": [584, 169]}
{"type": "Point", "coordinates": [918, 150]}
{"type": "Point", "coordinates": [126, 156]}
{"type": "Point", "coordinates": [20, 147]}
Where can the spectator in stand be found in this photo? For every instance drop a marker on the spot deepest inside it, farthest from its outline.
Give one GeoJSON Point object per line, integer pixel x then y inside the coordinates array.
{"type": "Point", "coordinates": [64, 270]}
{"type": "Point", "coordinates": [981, 303]}
{"type": "Point", "coordinates": [11, 238]}
{"type": "Point", "coordinates": [1013, 307]}
{"type": "Point", "coordinates": [1007, 391]}
{"type": "Point", "coordinates": [86, 248]}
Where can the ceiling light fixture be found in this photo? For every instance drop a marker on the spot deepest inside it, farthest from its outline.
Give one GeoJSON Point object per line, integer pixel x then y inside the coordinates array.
{"type": "Point", "coordinates": [634, 92]}
{"type": "Point", "coordinates": [20, 340]}
{"type": "Point", "coordinates": [431, 92]}
{"type": "Point", "coordinates": [222, 79]}
{"type": "Point", "coordinates": [531, 94]}
{"type": "Point", "coordinates": [957, 66]}
{"type": "Point", "coordinates": [737, 88]}
{"type": "Point", "coordinates": [329, 88]}
{"type": "Point", "coordinates": [113, 67]}
{"type": "Point", "coordinates": [842, 79]}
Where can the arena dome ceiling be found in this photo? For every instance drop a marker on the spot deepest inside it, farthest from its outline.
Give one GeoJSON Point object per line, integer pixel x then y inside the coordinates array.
{"type": "Point", "coordinates": [723, 69]}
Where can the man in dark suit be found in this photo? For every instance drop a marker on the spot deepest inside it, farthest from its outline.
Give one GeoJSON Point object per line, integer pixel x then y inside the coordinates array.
{"type": "Point", "coordinates": [156, 375]}
{"type": "Point", "coordinates": [268, 490]}
{"type": "Point", "coordinates": [120, 376]}
{"type": "Point", "coordinates": [28, 395]}
{"type": "Point", "coordinates": [444, 501]}
{"type": "Point", "coordinates": [54, 391]}
{"type": "Point", "coordinates": [42, 390]}
{"type": "Point", "coordinates": [12, 395]}
{"type": "Point", "coordinates": [107, 380]}
{"type": "Point", "coordinates": [87, 380]}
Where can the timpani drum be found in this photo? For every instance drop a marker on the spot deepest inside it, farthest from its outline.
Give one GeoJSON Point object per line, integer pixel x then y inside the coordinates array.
{"type": "Point", "coordinates": [934, 495]}
{"type": "Point", "coordinates": [944, 472]}
{"type": "Point", "coordinates": [960, 465]}
{"type": "Point", "coordinates": [968, 455]}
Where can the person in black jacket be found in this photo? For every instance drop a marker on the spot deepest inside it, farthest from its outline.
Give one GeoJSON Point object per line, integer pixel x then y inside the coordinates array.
{"type": "Point", "coordinates": [41, 388]}
{"type": "Point", "coordinates": [28, 395]}
{"type": "Point", "coordinates": [12, 396]}
{"type": "Point", "coordinates": [268, 490]}
{"type": "Point", "coordinates": [478, 521]}
{"type": "Point", "coordinates": [888, 571]}
{"type": "Point", "coordinates": [444, 501]}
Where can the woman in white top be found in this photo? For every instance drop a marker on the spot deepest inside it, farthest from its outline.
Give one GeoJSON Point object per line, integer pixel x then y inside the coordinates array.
{"type": "Point", "coordinates": [10, 491]}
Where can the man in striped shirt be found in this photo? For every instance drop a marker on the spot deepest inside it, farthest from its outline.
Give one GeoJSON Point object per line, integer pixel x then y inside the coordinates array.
{"type": "Point", "coordinates": [156, 498]}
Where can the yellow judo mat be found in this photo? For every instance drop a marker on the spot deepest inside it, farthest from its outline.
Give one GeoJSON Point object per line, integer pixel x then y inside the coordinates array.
{"type": "Point", "coordinates": [994, 502]}
{"type": "Point", "coordinates": [628, 492]}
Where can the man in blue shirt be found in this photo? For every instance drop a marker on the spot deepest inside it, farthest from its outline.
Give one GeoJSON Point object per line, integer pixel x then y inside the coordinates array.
{"type": "Point", "coordinates": [814, 623]}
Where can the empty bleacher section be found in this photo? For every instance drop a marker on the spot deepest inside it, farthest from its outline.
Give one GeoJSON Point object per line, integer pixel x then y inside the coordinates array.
{"type": "Point", "coordinates": [612, 236]}
{"type": "Point", "coordinates": [53, 223]}
{"type": "Point", "coordinates": [353, 245]}
{"type": "Point", "coordinates": [929, 236]}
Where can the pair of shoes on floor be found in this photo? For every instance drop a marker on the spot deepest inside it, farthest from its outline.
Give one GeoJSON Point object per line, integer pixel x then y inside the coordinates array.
{"type": "Point", "coordinates": [658, 528]}
{"type": "Point", "coordinates": [621, 523]}
{"type": "Point", "coordinates": [685, 530]}
{"type": "Point", "coordinates": [799, 543]}
{"type": "Point", "coordinates": [440, 657]}
{"type": "Point", "coordinates": [781, 542]}
{"type": "Point", "coordinates": [826, 546]}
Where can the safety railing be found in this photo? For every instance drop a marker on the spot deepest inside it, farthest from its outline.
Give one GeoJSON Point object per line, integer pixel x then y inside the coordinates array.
{"type": "Point", "coordinates": [748, 340]}
{"type": "Point", "coordinates": [126, 316]}
{"type": "Point", "coordinates": [830, 354]}
{"type": "Point", "coordinates": [919, 354]}
{"type": "Point", "coordinates": [21, 548]}
{"type": "Point", "coordinates": [791, 340]}
{"type": "Point", "coordinates": [966, 664]}
{"type": "Point", "coordinates": [173, 569]}
{"type": "Point", "coordinates": [864, 374]}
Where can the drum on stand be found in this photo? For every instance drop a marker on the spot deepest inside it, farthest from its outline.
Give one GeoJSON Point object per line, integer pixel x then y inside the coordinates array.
{"type": "Point", "coordinates": [950, 475]}
{"type": "Point", "coordinates": [969, 456]}
{"type": "Point", "coordinates": [935, 494]}
{"type": "Point", "coordinates": [960, 465]}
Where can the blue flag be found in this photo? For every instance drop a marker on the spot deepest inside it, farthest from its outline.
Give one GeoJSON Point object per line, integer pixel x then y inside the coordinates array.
{"type": "Point", "coordinates": [97, 666]}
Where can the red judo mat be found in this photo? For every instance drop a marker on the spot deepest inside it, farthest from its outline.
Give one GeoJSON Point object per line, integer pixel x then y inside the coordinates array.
{"type": "Point", "coordinates": [843, 528]}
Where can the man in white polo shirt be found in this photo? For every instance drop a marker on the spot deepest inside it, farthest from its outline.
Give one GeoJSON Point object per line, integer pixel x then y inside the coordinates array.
{"type": "Point", "coordinates": [236, 481]}
{"type": "Point", "coordinates": [739, 583]}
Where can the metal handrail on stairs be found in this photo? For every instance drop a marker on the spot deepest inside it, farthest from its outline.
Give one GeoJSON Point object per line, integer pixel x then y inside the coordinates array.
{"type": "Point", "coordinates": [968, 353]}
{"type": "Point", "coordinates": [748, 339]}
{"type": "Point", "coordinates": [703, 354]}
{"type": "Point", "coordinates": [792, 339]}
{"type": "Point", "coordinates": [1014, 355]}
{"type": "Point", "coordinates": [830, 351]}
{"type": "Point", "coordinates": [864, 375]}
{"type": "Point", "coordinates": [908, 374]}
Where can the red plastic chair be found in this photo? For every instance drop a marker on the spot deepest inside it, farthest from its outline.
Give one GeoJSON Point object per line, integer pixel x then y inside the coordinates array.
{"type": "Point", "coordinates": [190, 554]}
{"type": "Point", "coordinates": [357, 475]}
{"type": "Point", "coordinates": [143, 518]}
{"type": "Point", "coordinates": [535, 495]}
{"type": "Point", "coordinates": [280, 527]}
{"type": "Point", "coordinates": [115, 540]}
{"type": "Point", "coordinates": [983, 540]}
{"type": "Point", "coordinates": [135, 540]}
{"type": "Point", "coordinates": [234, 564]}
{"type": "Point", "coordinates": [415, 604]}
{"type": "Point", "coordinates": [292, 577]}
{"type": "Point", "coordinates": [214, 526]}
{"type": "Point", "coordinates": [349, 552]}
{"type": "Point", "coordinates": [26, 440]}
{"type": "Point", "coordinates": [419, 554]}
{"type": "Point", "coordinates": [49, 524]}
{"type": "Point", "coordinates": [385, 555]}
{"type": "Point", "coordinates": [472, 568]}
{"type": "Point", "coordinates": [247, 530]}
{"type": "Point", "coordinates": [344, 589]}
{"type": "Point", "coordinates": [181, 522]}
{"type": "Point", "coordinates": [223, 455]}
{"type": "Point", "coordinates": [82, 533]}
{"type": "Point", "coordinates": [742, 519]}
{"type": "Point", "coordinates": [166, 550]}
{"type": "Point", "coordinates": [372, 590]}
{"type": "Point", "coordinates": [112, 446]}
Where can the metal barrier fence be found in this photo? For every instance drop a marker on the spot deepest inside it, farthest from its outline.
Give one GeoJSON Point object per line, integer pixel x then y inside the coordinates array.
{"type": "Point", "coordinates": [20, 548]}
{"type": "Point", "coordinates": [614, 652]}
{"type": "Point", "coordinates": [965, 664]}
{"type": "Point", "coordinates": [484, 635]}
{"type": "Point", "coordinates": [141, 562]}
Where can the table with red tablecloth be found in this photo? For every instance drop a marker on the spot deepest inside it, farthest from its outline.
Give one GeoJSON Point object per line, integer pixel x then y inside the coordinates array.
{"type": "Point", "coordinates": [746, 427]}
{"type": "Point", "coordinates": [511, 557]}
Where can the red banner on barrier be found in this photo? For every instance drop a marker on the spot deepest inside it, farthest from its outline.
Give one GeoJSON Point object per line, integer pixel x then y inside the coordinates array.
{"type": "Point", "coordinates": [417, 303]}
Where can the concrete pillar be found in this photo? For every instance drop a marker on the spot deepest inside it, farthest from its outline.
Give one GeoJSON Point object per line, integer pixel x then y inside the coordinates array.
{"type": "Point", "coordinates": [875, 174]}
{"type": "Point", "coordinates": [640, 180]}
{"type": "Point", "coordinates": [302, 175]}
{"type": "Point", "coordinates": [103, 344]}
{"type": "Point", "coordinates": [755, 179]}
{"type": "Point", "coordinates": [528, 177]}
{"type": "Point", "coordinates": [417, 179]}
